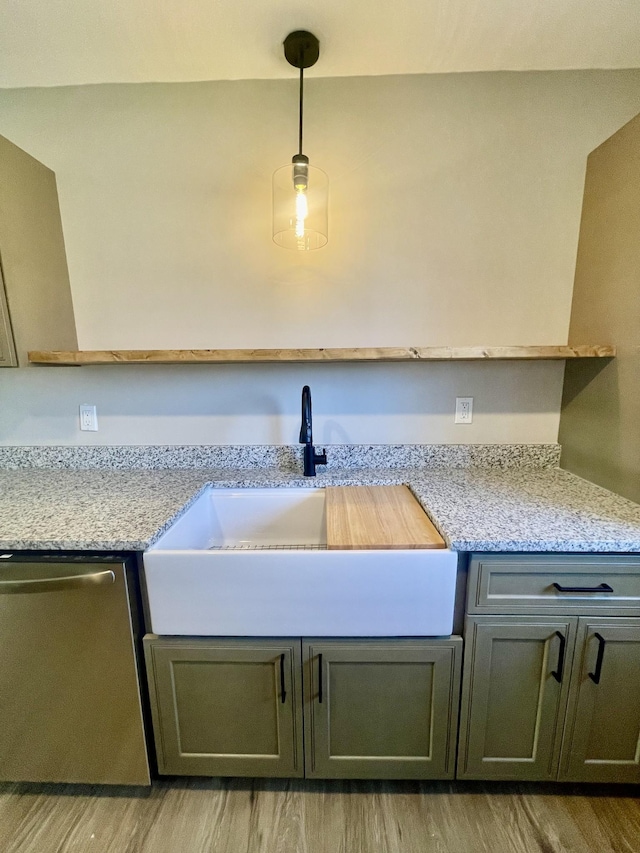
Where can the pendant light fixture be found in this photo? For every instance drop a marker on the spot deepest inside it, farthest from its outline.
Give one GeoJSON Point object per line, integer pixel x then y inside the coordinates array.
{"type": "Point", "coordinates": [300, 191]}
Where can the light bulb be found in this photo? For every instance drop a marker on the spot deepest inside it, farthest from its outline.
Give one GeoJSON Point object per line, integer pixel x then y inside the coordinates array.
{"type": "Point", "coordinates": [300, 183]}
{"type": "Point", "coordinates": [300, 205]}
{"type": "Point", "coordinates": [302, 211]}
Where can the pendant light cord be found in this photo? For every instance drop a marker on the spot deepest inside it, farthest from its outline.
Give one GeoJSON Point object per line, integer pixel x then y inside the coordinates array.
{"type": "Point", "coordinates": [301, 92]}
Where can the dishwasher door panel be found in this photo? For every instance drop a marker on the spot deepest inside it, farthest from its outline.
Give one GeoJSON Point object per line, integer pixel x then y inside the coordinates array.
{"type": "Point", "coordinates": [70, 706]}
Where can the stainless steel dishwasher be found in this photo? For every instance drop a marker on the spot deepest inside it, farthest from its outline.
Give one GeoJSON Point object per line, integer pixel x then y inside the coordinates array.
{"type": "Point", "coordinates": [70, 705]}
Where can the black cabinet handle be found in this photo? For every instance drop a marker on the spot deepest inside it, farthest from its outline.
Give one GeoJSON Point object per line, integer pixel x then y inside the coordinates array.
{"type": "Point", "coordinates": [557, 674]}
{"type": "Point", "coordinates": [595, 676]}
{"type": "Point", "coordinates": [283, 692]}
{"type": "Point", "coordinates": [319, 678]}
{"type": "Point", "coordinates": [603, 587]}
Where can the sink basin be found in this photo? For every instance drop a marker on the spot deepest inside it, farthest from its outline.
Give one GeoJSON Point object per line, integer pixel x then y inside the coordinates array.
{"type": "Point", "coordinates": [253, 562]}
{"type": "Point", "coordinates": [249, 518]}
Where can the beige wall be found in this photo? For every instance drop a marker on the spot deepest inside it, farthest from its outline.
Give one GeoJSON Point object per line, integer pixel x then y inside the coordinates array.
{"type": "Point", "coordinates": [455, 207]}
{"type": "Point", "coordinates": [378, 404]}
{"type": "Point", "coordinates": [600, 424]}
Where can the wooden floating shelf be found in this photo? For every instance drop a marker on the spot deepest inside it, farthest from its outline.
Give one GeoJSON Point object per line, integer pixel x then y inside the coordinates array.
{"type": "Point", "coordinates": [275, 356]}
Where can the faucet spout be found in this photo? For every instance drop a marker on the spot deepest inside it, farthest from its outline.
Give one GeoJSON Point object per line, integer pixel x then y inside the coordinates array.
{"type": "Point", "coordinates": [306, 430]}
{"type": "Point", "coordinates": [311, 458]}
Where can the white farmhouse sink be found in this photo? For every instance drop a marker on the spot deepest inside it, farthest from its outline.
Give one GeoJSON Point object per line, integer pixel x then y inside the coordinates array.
{"type": "Point", "coordinates": [253, 562]}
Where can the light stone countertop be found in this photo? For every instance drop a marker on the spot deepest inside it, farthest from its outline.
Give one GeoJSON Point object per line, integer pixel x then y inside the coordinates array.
{"type": "Point", "coordinates": [524, 509]}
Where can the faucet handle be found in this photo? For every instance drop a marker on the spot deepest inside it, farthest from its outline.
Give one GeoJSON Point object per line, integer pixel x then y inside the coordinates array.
{"type": "Point", "coordinates": [321, 458]}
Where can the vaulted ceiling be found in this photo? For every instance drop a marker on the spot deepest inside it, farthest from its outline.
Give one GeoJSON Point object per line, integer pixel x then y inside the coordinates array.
{"type": "Point", "coordinates": [71, 42]}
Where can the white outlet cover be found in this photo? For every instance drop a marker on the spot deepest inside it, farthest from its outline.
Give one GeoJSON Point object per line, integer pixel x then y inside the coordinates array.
{"type": "Point", "coordinates": [464, 410]}
{"type": "Point", "coordinates": [88, 418]}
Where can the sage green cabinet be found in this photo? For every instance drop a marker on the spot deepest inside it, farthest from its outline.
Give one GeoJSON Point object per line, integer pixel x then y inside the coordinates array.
{"type": "Point", "coordinates": [515, 689]}
{"type": "Point", "coordinates": [602, 733]}
{"type": "Point", "coordinates": [546, 696]}
{"type": "Point", "coordinates": [552, 584]}
{"type": "Point", "coordinates": [381, 709]}
{"type": "Point", "coordinates": [224, 707]}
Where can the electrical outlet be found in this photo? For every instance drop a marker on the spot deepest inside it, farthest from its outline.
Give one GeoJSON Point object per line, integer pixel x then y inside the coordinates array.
{"type": "Point", "coordinates": [464, 410]}
{"type": "Point", "coordinates": [88, 417]}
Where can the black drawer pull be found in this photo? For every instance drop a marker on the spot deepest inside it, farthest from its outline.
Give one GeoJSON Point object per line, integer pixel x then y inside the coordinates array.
{"type": "Point", "coordinates": [603, 587]}
{"type": "Point", "coordinates": [319, 678]}
{"type": "Point", "coordinates": [595, 676]}
{"type": "Point", "coordinates": [557, 674]}
{"type": "Point", "coordinates": [283, 692]}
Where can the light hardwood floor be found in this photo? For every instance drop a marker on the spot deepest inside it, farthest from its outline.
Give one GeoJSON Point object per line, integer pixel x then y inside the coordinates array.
{"type": "Point", "coordinates": [280, 816]}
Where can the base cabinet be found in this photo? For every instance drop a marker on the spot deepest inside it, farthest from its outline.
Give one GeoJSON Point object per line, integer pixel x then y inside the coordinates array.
{"type": "Point", "coordinates": [515, 693]}
{"type": "Point", "coordinates": [545, 696]}
{"type": "Point", "coordinates": [226, 707]}
{"type": "Point", "coordinates": [602, 731]}
{"type": "Point", "coordinates": [381, 710]}
{"type": "Point", "coordinates": [384, 709]}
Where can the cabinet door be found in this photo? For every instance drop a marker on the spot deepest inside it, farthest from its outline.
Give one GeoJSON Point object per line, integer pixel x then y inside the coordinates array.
{"type": "Point", "coordinates": [602, 735]}
{"type": "Point", "coordinates": [226, 707]}
{"type": "Point", "coordinates": [381, 709]}
{"type": "Point", "coordinates": [7, 349]}
{"type": "Point", "coordinates": [514, 694]}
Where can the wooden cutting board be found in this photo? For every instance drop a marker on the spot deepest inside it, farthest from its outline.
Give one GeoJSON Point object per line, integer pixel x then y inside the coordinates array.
{"type": "Point", "coordinates": [371, 517]}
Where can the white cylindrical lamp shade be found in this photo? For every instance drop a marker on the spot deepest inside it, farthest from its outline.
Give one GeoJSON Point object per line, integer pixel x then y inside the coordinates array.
{"type": "Point", "coordinates": [300, 217]}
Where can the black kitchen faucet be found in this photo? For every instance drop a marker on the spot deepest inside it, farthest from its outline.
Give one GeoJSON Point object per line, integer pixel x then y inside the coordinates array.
{"type": "Point", "coordinates": [311, 458]}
